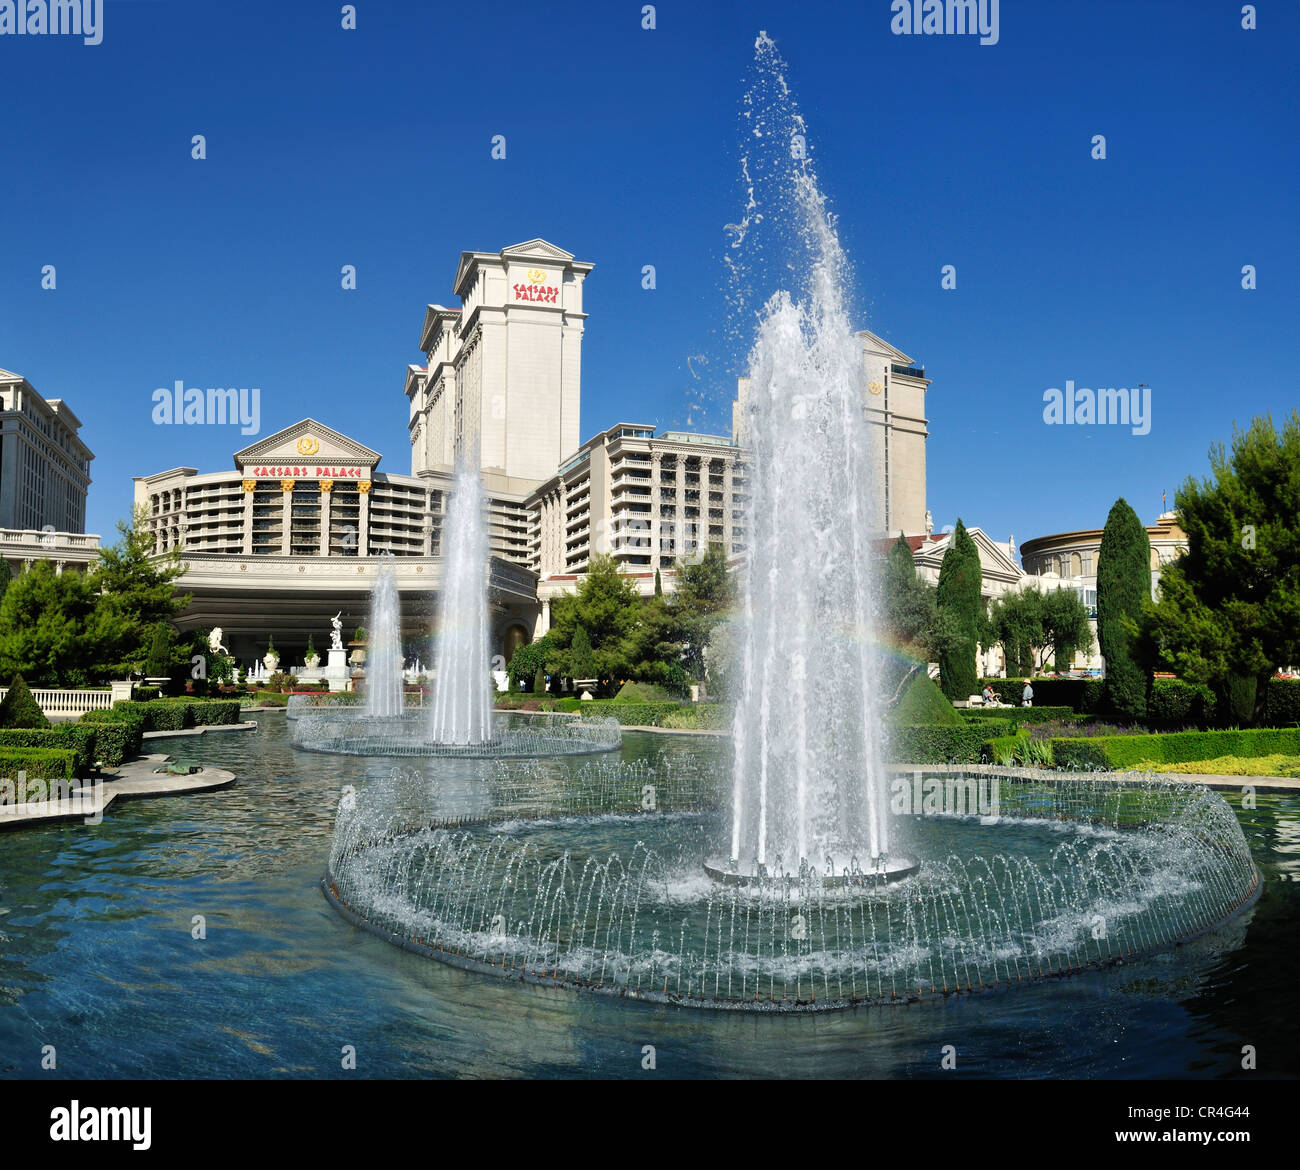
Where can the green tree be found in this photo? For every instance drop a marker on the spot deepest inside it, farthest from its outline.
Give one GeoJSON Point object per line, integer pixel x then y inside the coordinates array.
{"type": "Point", "coordinates": [1065, 628]}
{"type": "Point", "coordinates": [580, 657]}
{"type": "Point", "coordinates": [137, 592]}
{"type": "Point", "coordinates": [1123, 590]}
{"type": "Point", "coordinates": [705, 594]}
{"type": "Point", "coordinates": [51, 629]}
{"type": "Point", "coordinates": [1015, 622]}
{"type": "Point", "coordinates": [659, 584]}
{"type": "Point", "coordinates": [527, 660]}
{"type": "Point", "coordinates": [6, 575]}
{"type": "Point", "coordinates": [959, 597]}
{"type": "Point", "coordinates": [1228, 614]}
{"type": "Point", "coordinates": [539, 682]}
{"type": "Point", "coordinates": [907, 601]}
{"type": "Point", "coordinates": [19, 707]}
{"type": "Point", "coordinates": [607, 607]}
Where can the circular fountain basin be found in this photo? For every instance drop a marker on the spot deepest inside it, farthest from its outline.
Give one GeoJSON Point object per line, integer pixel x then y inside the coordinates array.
{"type": "Point", "coordinates": [586, 885]}
{"type": "Point", "coordinates": [881, 871]}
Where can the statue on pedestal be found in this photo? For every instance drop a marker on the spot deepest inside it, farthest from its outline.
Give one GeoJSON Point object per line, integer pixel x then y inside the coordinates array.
{"type": "Point", "coordinates": [336, 642]}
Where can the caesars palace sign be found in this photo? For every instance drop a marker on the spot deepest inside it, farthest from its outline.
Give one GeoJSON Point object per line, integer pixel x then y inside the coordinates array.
{"type": "Point", "coordinates": [535, 288]}
{"type": "Point", "coordinates": [307, 445]}
{"type": "Point", "coordinates": [273, 472]}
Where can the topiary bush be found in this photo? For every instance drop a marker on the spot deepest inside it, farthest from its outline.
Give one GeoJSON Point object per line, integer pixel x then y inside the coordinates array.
{"type": "Point", "coordinates": [1126, 752]}
{"type": "Point", "coordinates": [67, 736]}
{"type": "Point", "coordinates": [19, 707]}
{"type": "Point", "coordinates": [1175, 704]}
{"type": "Point", "coordinates": [929, 744]}
{"type": "Point", "coordinates": [42, 763]}
{"type": "Point", "coordinates": [119, 735]}
{"type": "Point", "coordinates": [1282, 702]}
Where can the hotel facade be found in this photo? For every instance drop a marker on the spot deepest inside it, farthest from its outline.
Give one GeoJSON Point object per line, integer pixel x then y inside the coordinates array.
{"type": "Point", "coordinates": [44, 478]}
{"type": "Point", "coordinates": [294, 531]}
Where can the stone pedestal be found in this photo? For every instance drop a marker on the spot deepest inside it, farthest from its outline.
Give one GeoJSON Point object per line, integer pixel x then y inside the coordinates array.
{"type": "Point", "coordinates": [336, 671]}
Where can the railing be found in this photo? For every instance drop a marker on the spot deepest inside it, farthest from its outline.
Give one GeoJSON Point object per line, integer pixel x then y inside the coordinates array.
{"type": "Point", "coordinates": [54, 702]}
{"type": "Point", "coordinates": [45, 538]}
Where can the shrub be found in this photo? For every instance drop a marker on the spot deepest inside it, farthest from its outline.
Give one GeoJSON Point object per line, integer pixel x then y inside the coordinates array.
{"type": "Point", "coordinates": [71, 736]}
{"type": "Point", "coordinates": [1175, 704]}
{"type": "Point", "coordinates": [212, 713]}
{"type": "Point", "coordinates": [1123, 587]}
{"type": "Point", "coordinates": [928, 744]}
{"type": "Point", "coordinates": [145, 694]}
{"type": "Point", "coordinates": [1125, 752]}
{"type": "Point", "coordinates": [1080, 754]}
{"type": "Point", "coordinates": [118, 735]}
{"type": "Point", "coordinates": [924, 702]}
{"type": "Point", "coordinates": [281, 680]}
{"type": "Point", "coordinates": [19, 707]}
{"type": "Point", "coordinates": [539, 681]}
{"type": "Point", "coordinates": [1282, 702]}
{"type": "Point", "coordinates": [42, 763]}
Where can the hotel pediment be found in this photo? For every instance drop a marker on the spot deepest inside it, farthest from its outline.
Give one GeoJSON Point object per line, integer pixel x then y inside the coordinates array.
{"type": "Point", "coordinates": [538, 249]}
{"type": "Point", "coordinates": [307, 442]}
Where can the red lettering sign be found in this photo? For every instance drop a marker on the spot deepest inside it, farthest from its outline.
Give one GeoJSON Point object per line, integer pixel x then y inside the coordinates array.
{"type": "Point", "coordinates": [547, 294]}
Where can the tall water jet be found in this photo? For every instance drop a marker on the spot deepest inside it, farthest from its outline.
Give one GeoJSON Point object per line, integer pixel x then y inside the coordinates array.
{"type": "Point", "coordinates": [462, 704]}
{"type": "Point", "coordinates": [384, 646]}
{"type": "Point", "coordinates": [808, 785]}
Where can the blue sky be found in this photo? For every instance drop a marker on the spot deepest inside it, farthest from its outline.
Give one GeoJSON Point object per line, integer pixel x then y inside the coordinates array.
{"type": "Point", "coordinates": [372, 148]}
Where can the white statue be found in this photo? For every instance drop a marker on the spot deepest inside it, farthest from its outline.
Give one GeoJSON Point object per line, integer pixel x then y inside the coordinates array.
{"type": "Point", "coordinates": [336, 642]}
{"type": "Point", "coordinates": [214, 641]}
{"type": "Point", "coordinates": [1011, 544]}
{"type": "Point", "coordinates": [929, 522]}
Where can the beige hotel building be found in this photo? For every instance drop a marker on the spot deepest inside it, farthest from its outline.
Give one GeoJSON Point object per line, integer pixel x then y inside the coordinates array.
{"type": "Point", "coordinates": [292, 533]}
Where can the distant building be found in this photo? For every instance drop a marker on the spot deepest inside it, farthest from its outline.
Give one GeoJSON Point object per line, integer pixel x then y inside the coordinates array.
{"type": "Point", "coordinates": [44, 477]}
{"type": "Point", "coordinates": [44, 466]}
{"type": "Point", "coordinates": [1069, 560]}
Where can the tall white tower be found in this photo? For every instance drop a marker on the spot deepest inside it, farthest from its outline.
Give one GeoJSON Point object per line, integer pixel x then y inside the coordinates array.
{"type": "Point", "coordinates": [505, 367]}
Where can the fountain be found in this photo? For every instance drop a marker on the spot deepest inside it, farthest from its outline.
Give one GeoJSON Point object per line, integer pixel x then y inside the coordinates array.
{"type": "Point", "coordinates": [460, 721]}
{"type": "Point", "coordinates": [811, 875]}
{"type": "Point", "coordinates": [462, 705]}
{"type": "Point", "coordinates": [384, 650]}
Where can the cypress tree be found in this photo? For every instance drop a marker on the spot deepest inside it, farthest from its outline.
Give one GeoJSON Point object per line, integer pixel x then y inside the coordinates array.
{"type": "Point", "coordinates": [1123, 585]}
{"type": "Point", "coordinates": [580, 655]}
{"type": "Point", "coordinates": [539, 681]}
{"type": "Point", "coordinates": [659, 584]}
{"type": "Point", "coordinates": [960, 578]}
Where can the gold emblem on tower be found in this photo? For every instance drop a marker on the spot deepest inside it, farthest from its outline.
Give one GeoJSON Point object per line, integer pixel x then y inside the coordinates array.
{"type": "Point", "coordinates": [536, 276]}
{"type": "Point", "coordinates": [308, 445]}
{"type": "Point", "coordinates": [875, 387]}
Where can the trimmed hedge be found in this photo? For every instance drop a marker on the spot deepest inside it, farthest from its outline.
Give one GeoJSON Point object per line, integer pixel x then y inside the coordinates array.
{"type": "Point", "coordinates": [118, 735]}
{"type": "Point", "coordinates": [1282, 702]}
{"type": "Point", "coordinates": [1176, 704]}
{"type": "Point", "coordinates": [178, 714]}
{"type": "Point", "coordinates": [42, 763]}
{"type": "Point", "coordinates": [931, 744]}
{"type": "Point", "coordinates": [71, 736]}
{"type": "Point", "coordinates": [1020, 715]}
{"type": "Point", "coordinates": [1079, 694]}
{"type": "Point", "coordinates": [1125, 752]}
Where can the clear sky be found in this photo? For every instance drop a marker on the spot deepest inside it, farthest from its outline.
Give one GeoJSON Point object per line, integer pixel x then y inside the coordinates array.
{"type": "Point", "coordinates": [371, 147]}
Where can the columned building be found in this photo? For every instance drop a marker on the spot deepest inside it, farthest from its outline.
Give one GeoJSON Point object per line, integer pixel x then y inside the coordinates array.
{"type": "Point", "coordinates": [647, 500]}
{"type": "Point", "coordinates": [292, 533]}
{"type": "Point", "coordinates": [295, 532]}
{"type": "Point", "coordinates": [1069, 560]}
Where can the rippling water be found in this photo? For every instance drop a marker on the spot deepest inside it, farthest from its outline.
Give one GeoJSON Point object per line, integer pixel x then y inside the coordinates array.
{"type": "Point", "coordinates": [97, 959]}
